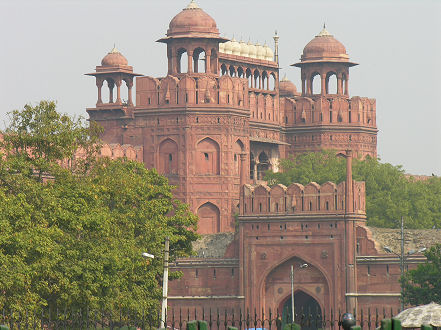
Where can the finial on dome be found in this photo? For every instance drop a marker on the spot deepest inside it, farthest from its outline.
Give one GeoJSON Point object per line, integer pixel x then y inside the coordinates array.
{"type": "Point", "coordinates": [285, 78]}
{"type": "Point", "coordinates": [114, 50]}
{"type": "Point", "coordinates": [192, 5]}
{"type": "Point", "coordinates": [324, 32]}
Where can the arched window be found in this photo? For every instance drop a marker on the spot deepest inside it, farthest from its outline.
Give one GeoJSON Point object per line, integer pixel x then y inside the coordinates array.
{"type": "Point", "coordinates": [209, 219]}
{"type": "Point", "coordinates": [108, 91]}
{"type": "Point", "coordinates": [249, 76]}
{"type": "Point", "coordinates": [240, 72]}
{"type": "Point", "coordinates": [182, 58]}
{"type": "Point", "coordinates": [272, 81]}
{"type": "Point", "coordinates": [316, 84]}
{"type": "Point", "coordinates": [264, 80]}
{"type": "Point", "coordinates": [237, 150]}
{"type": "Point", "coordinates": [207, 161]}
{"type": "Point", "coordinates": [331, 83]}
{"type": "Point", "coordinates": [262, 166]}
{"type": "Point", "coordinates": [252, 164]}
{"type": "Point", "coordinates": [256, 78]}
{"type": "Point", "coordinates": [199, 60]}
{"type": "Point", "coordinates": [223, 70]}
{"type": "Point", "coordinates": [168, 157]}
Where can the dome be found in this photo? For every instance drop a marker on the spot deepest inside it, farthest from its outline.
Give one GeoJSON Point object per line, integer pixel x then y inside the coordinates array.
{"type": "Point", "coordinates": [221, 48]}
{"type": "Point", "coordinates": [324, 46]}
{"type": "Point", "coordinates": [192, 21]}
{"type": "Point", "coordinates": [244, 49]}
{"type": "Point", "coordinates": [228, 47]}
{"type": "Point", "coordinates": [269, 54]}
{"type": "Point", "coordinates": [114, 58]}
{"type": "Point", "coordinates": [261, 52]}
{"type": "Point", "coordinates": [252, 50]}
{"type": "Point", "coordinates": [235, 47]}
{"type": "Point", "coordinates": [287, 87]}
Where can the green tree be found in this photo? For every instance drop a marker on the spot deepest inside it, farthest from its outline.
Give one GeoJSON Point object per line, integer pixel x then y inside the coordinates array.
{"type": "Point", "coordinates": [423, 285]}
{"type": "Point", "coordinates": [75, 238]}
{"type": "Point", "coordinates": [389, 193]}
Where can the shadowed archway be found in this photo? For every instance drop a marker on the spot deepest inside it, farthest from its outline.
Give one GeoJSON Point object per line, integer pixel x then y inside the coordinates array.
{"type": "Point", "coordinates": [307, 310]}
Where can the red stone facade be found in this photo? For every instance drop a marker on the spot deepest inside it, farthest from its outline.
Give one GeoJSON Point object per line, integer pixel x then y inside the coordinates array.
{"type": "Point", "coordinates": [221, 118]}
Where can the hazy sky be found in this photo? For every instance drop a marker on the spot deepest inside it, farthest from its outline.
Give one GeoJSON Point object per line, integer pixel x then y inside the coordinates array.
{"type": "Point", "coordinates": [48, 45]}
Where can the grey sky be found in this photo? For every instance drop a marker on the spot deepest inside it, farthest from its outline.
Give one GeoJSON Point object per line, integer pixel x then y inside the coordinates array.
{"type": "Point", "coordinates": [47, 46]}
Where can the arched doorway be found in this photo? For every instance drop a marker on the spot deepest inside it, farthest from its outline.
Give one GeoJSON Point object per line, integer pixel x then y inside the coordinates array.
{"type": "Point", "coordinates": [307, 309]}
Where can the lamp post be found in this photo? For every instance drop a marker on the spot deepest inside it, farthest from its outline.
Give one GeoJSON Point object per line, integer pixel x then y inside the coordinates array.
{"type": "Point", "coordinates": [402, 258]}
{"type": "Point", "coordinates": [165, 279]}
{"type": "Point", "coordinates": [292, 289]}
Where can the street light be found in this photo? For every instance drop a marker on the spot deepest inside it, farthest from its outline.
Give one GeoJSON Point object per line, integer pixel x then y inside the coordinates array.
{"type": "Point", "coordinates": [402, 258]}
{"type": "Point", "coordinates": [292, 289]}
{"type": "Point", "coordinates": [148, 255]}
{"type": "Point", "coordinates": [164, 281]}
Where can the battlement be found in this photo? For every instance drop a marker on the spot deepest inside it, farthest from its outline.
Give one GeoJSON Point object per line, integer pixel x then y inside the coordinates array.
{"type": "Point", "coordinates": [191, 89]}
{"type": "Point", "coordinates": [329, 110]}
{"type": "Point", "coordinates": [328, 198]}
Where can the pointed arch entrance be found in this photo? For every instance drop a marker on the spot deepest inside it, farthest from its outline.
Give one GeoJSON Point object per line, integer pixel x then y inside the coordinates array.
{"type": "Point", "coordinates": [307, 309]}
{"type": "Point", "coordinates": [311, 287]}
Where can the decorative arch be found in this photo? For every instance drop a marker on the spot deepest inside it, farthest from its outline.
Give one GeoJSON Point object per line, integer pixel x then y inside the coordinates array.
{"type": "Point", "coordinates": [269, 283]}
{"type": "Point", "coordinates": [257, 79]}
{"type": "Point", "coordinates": [315, 83]}
{"type": "Point", "coordinates": [199, 57]}
{"type": "Point", "coordinates": [263, 165]}
{"type": "Point", "coordinates": [240, 72]}
{"type": "Point", "coordinates": [252, 166]}
{"type": "Point", "coordinates": [224, 70]}
{"type": "Point", "coordinates": [272, 81]}
{"type": "Point", "coordinates": [249, 76]}
{"type": "Point", "coordinates": [331, 82]}
{"type": "Point", "coordinates": [182, 60]}
{"type": "Point", "coordinates": [207, 157]}
{"type": "Point", "coordinates": [209, 218]}
{"type": "Point", "coordinates": [168, 157]}
{"type": "Point", "coordinates": [238, 148]}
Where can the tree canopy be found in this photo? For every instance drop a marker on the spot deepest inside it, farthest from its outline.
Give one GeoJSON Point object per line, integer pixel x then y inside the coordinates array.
{"type": "Point", "coordinates": [390, 194]}
{"type": "Point", "coordinates": [423, 285]}
{"type": "Point", "coordinates": [73, 235]}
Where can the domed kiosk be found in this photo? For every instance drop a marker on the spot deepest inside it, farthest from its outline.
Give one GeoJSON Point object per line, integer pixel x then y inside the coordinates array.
{"type": "Point", "coordinates": [114, 70]}
{"type": "Point", "coordinates": [287, 88]}
{"type": "Point", "coordinates": [324, 56]}
{"type": "Point", "coordinates": [195, 33]}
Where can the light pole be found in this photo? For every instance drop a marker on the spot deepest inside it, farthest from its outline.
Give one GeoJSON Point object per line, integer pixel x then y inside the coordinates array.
{"type": "Point", "coordinates": [165, 279]}
{"type": "Point", "coordinates": [402, 258]}
{"type": "Point", "coordinates": [292, 289]}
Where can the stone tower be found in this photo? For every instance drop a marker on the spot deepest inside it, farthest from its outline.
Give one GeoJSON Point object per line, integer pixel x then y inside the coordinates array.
{"type": "Point", "coordinates": [326, 118]}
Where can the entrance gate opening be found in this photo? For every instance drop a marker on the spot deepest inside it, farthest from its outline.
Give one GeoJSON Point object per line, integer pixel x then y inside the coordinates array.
{"type": "Point", "coordinates": [307, 309]}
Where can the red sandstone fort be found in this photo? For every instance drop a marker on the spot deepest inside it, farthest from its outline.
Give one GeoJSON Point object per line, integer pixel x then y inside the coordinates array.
{"type": "Point", "coordinates": [213, 125]}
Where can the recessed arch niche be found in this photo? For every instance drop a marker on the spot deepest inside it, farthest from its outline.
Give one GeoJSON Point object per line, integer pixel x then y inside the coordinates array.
{"type": "Point", "coordinates": [207, 157]}
{"type": "Point", "coordinates": [209, 219]}
{"type": "Point", "coordinates": [168, 157]}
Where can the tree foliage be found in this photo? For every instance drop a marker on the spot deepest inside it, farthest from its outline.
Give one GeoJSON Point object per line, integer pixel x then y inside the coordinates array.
{"type": "Point", "coordinates": [423, 285]}
{"type": "Point", "coordinates": [389, 193]}
{"type": "Point", "coordinates": [76, 238]}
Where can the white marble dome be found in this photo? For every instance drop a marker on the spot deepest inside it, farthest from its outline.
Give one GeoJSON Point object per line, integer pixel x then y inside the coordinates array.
{"type": "Point", "coordinates": [252, 50]}
{"type": "Point", "coordinates": [244, 49]}
{"type": "Point", "coordinates": [261, 52]}
{"type": "Point", "coordinates": [235, 47]}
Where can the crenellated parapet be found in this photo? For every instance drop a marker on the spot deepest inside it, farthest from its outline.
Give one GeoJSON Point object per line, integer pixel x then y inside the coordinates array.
{"type": "Point", "coordinates": [330, 110]}
{"type": "Point", "coordinates": [298, 199]}
{"type": "Point", "coordinates": [113, 151]}
{"type": "Point", "coordinates": [203, 90]}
